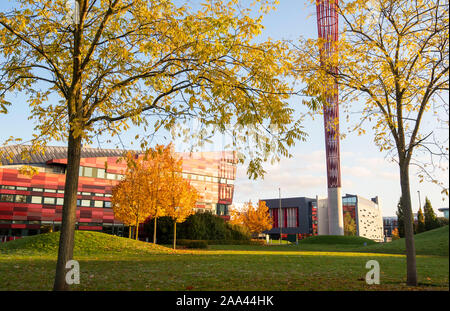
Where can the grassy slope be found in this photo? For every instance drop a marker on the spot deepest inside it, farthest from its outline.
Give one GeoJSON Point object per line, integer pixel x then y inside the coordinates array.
{"type": "Point", "coordinates": [341, 240]}
{"type": "Point", "coordinates": [86, 243]}
{"type": "Point", "coordinates": [433, 242]}
{"type": "Point", "coordinates": [113, 263]}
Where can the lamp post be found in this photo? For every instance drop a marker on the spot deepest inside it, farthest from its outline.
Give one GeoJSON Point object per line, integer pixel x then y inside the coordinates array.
{"type": "Point", "coordinates": [420, 202]}
{"type": "Point", "coordinates": [281, 215]}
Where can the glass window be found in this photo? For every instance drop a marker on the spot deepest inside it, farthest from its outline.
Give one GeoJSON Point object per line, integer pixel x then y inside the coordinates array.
{"type": "Point", "coordinates": [87, 172]}
{"type": "Point", "coordinates": [36, 200]}
{"type": "Point", "coordinates": [7, 197]}
{"type": "Point", "coordinates": [81, 171]}
{"type": "Point", "coordinates": [22, 188]}
{"type": "Point", "coordinates": [107, 204]}
{"type": "Point", "coordinates": [50, 190]}
{"type": "Point", "coordinates": [21, 198]}
{"type": "Point", "coordinates": [85, 193]}
{"type": "Point", "coordinates": [98, 203]}
{"type": "Point", "coordinates": [60, 191]}
{"type": "Point", "coordinates": [60, 201]}
{"type": "Point", "coordinates": [100, 173]}
{"type": "Point", "coordinates": [110, 176]}
{"type": "Point", "coordinates": [38, 189]}
{"type": "Point", "coordinates": [9, 187]}
{"type": "Point", "coordinates": [49, 200]}
{"type": "Point", "coordinates": [85, 202]}
{"type": "Point", "coordinates": [78, 202]}
{"type": "Point", "coordinates": [108, 195]}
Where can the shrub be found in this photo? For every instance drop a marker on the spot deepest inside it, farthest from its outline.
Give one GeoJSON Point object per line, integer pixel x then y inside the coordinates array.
{"type": "Point", "coordinates": [200, 244]}
{"type": "Point", "coordinates": [199, 226]}
{"type": "Point", "coordinates": [442, 221]}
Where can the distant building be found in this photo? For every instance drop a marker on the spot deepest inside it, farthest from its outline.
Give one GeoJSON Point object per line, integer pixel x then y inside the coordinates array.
{"type": "Point", "coordinates": [303, 217]}
{"type": "Point", "coordinates": [32, 205]}
{"type": "Point", "coordinates": [390, 223]}
{"type": "Point", "coordinates": [366, 213]}
{"type": "Point", "coordinates": [296, 219]}
{"type": "Point", "coordinates": [444, 210]}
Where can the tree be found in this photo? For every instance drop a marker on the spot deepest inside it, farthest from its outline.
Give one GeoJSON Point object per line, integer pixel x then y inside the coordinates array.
{"type": "Point", "coordinates": [393, 61]}
{"type": "Point", "coordinates": [256, 219]}
{"type": "Point", "coordinates": [130, 197]}
{"type": "Point", "coordinates": [400, 219]}
{"type": "Point", "coordinates": [431, 221]}
{"type": "Point", "coordinates": [395, 235]}
{"type": "Point", "coordinates": [420, 221]}
{"type": "Point", "coordinates": [180, 197]}
{"type": "Point", "coordinates": [349, 225]}
{"type": "Point", "coordinates": [151, 64]}
{"type": "Point", "coordinates": [160, 165]}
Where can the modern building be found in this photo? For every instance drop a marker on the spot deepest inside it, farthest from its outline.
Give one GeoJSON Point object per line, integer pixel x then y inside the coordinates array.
{"type": "Point", "coordinates": [390, 223]}
{"type": "Point", "coordinates": [296, 218]}
{"type": "Point", "coordinates": [304, 217]}
{"type": "Point", "coordinates": [32, 205]}
{"type": "Point", "coordinates": [444, 210]}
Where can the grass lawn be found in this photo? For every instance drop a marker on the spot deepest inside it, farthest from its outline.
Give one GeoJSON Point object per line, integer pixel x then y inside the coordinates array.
{"type": "Point", "coordinates": [112, 263]}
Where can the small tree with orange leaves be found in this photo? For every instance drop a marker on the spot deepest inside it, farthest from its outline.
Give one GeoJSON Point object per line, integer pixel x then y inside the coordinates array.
{"type": "Point", "coordinates": [256, 220]}
{"type": "Point", "coordinates": [179, 196]}
{"type": "Point", "coordinates": [129, 197]}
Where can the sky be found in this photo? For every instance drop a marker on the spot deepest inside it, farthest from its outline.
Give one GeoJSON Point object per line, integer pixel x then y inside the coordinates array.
{"type": "Point", "coordinates": [365, 170]}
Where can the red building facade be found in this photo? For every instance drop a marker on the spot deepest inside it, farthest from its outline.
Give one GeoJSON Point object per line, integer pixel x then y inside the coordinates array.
{"type": "Point", "coordinates": [33, 205]}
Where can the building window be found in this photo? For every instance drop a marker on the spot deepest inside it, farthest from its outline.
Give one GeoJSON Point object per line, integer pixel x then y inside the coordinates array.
{"type": "Point", "coordinates": [36, 200]}
{"type": "Point", "coordinates": [85, 202]}
{"type": "Point", "coordinates": [87, 172]}
{"type": "Point", "coordinates": [98, 203]}
{"type": "Point", "coordinates": [60, 201]}
{"type": "Point", "coordinates": [50, 190]}
{"type": "Point", "coordinates": [100, 173]}
{"type": "Point", "coordinates": [22, 188]}
{"type": "Point", "coordinates": [7, 197]}
{"type": "Point", "coordinates": [48, 200]}
{"type": "Point", "coordinates": [21, 198]}
{"type": "Point", "coordinates": [37, 189]}
{"type": "Point", "coordinates": [107, 204]}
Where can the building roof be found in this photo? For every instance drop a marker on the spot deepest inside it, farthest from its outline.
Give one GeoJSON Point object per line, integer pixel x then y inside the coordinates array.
{"type": "Point", "coordinates": [11, 155]}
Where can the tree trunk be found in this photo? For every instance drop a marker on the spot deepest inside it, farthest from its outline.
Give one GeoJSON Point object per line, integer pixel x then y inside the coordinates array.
{"type": "Point", "coordinates": [69, 212]}
{"type": "Point", "coordinates": [137, 231]}
{"type": "Point", "coordinates": [174, 234]}
{"type": "Point", "coordinates": [411, 271]}
{"type": "Point", "coordinates": [154, 231]}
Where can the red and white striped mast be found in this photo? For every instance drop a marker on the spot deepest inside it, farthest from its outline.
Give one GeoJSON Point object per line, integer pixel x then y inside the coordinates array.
{"type": "Point", "coordinates": [327, 23]}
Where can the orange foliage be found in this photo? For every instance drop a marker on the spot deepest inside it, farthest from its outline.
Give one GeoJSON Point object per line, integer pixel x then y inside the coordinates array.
{"type": "Point", "coordinates": [256, 220]}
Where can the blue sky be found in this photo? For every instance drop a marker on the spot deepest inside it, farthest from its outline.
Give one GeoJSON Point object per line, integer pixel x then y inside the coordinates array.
{"type": "Point", "coordinates": [365, 171]}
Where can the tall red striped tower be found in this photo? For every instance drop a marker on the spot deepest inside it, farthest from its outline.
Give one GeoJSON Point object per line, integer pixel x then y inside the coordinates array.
{"type": "Point", "coordinates": [327, 22]}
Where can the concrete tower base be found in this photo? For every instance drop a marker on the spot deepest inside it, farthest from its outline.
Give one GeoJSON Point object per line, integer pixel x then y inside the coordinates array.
{"type": "Point", "coordinates": [335, 213]}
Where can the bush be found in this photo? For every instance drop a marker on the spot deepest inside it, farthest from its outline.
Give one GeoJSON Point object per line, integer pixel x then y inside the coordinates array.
{"type": "Point", "coordinates": [199, 244]}
{"type": "Point", "coordinates": [442, 221]}
{"type": "Point", "coordinates": [199, 226]}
